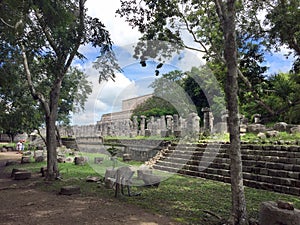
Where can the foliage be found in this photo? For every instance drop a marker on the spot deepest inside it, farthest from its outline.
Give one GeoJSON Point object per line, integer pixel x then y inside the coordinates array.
{"type": "Point", "coordinates": [113, 151]}
{"type": "Point", "coordinates": [47, 36]}
{"type": "Point", "coordinates": [281, 92]}
{"type": "Point", "coordinates": [256, 36]}
{"type": "Point", "coordinates": [280, 18]}
{"type": "Point", "coordinates": [20, 113]}
{"type": "Point", "coordinates": [154, 106]}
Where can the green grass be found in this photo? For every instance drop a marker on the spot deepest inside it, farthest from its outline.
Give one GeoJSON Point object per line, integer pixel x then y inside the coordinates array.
{"type": "Point", "coordinates": [184, 198]}
{"type": "Point", "coordinates": [248, 137]}
{"type": "Point", "coordinates": [284, 136]}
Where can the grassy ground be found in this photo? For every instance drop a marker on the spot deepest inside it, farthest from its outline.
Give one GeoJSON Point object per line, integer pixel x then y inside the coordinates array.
{"type": "Point", "coordinates": [189, 200]}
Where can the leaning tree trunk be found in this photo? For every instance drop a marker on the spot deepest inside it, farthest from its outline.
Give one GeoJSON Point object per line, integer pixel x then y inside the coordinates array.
{"type": "Point", "coordinates": [239, 212]}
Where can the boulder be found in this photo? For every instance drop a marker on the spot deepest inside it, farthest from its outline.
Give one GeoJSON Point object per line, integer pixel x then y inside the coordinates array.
{"type": "Point", "coordinates": [272, 133]}
{"type": "Point", "coordinates": [281, 126]}
{"type": "Point", "coordinates": [261, 135]}
{"type": "Point", "coordinates": [256, 128]}
{"type": "Point", "coordinates": [295, 129]}
{"type": "Point", "coordinates": [271, 213]}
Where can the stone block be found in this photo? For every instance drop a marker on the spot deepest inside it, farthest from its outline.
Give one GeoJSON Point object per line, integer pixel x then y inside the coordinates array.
{"type": "Point", "coordinates": [44, 171]}
{"type": "Point", "coordinates": [109, 173]}
{"type": "Point", "coordinates": [14, 170]}
{"type": "Point", "coordinates": [271, 214]}
{"type": "Point", "coordinates": [70, 190]}
{"type": "Point", "coordinates": [151, 179]}
{"type": "Point", "coordinates": [280, 126]}
{"type": "Point", "coordinates": [61, 159]}
{"type": "Point", "coordinates": [80, 160]}
{"type": "Point", "coordinates": [25, 159]}
{"type": "Point", "coordinates": [22, 175]}
{"type": "Point", "coordinates": [141, 172]}
{"type": "Point", "coordinates": [127, 157]}
{"type": "Point", "coordinates": [98, 160]}
{"type": "Point", "coordinates": [92, 179]}
{"type": "Point", "coordinates": [39, 159]}
{"type": "Point", "coordinates": [27, 153]}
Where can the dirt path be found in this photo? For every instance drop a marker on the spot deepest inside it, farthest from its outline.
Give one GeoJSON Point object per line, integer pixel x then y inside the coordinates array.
{"type": "Point", "coordinates": [21, 203]}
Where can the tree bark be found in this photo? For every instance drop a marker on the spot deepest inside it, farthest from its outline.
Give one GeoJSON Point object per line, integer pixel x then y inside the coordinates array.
{"type": "Point", "coordinates": [52, 165]}
{"type": "Point", "coordinates": [227, 18]}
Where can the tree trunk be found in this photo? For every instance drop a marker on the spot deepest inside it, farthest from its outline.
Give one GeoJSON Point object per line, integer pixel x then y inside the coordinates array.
{"type": "Point", "coordinates": [239, 212]}
{"type": "Point", "coordinates": [52, 165]}
{"type": "Point", "coordinates": [58, 137]}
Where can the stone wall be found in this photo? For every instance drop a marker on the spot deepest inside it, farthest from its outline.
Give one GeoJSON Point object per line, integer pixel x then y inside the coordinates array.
{"type": "Point", "coordinates": [270, 167]}
{"type": "Point", "coordinates": [139, 150]}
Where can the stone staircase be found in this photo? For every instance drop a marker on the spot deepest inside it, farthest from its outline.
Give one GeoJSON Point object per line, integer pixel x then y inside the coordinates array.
{"type": "Point", "coordinates": [275, 168]}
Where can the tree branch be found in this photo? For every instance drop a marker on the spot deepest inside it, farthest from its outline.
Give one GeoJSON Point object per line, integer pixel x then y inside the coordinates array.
{"type": "Point", "coordinates": [3, 21]}
{"type": "Point", "coordinates": [79, 36]}
{"type": "Point", "coordinates": [189, 29]}
{"type": "Point", "coordinates": [34, 93]}
{"type": "Point", "coordinates": [43, 138]}
{"type": "Point", "coordinates": [46, 31]}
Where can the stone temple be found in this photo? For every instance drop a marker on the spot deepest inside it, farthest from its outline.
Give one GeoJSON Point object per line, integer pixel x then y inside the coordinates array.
{"type": "Point", "coordinates": [128, 105]}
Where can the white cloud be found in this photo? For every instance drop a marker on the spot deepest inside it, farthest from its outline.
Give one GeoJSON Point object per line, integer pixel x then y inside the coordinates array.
{"type": "Point", "coordinates": [107, 97]}
{"type": "Point", "coordinates": [121, 32]}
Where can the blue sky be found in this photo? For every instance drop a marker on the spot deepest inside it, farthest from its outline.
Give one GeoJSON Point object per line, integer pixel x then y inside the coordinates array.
{"type": "Point", "coordinates": [134, 80]}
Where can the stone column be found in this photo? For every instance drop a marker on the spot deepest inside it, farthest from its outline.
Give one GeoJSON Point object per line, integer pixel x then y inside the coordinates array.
{"type": "Point", "coordinates": [175, 122]}
{"type": "Point", "coordinates": [143, 125]}
{"type": "Point", "coordinates": [135, 126]}
{"type": "Point", "coordinates": [257, 118]}
{"type": "Point", "coordinates": [176, 126]}
{"type": "Point", "coordinates": [169, 124]}
{"type": "Point", "coordinates": [207, 120]}
{"type": "Point", "coordinates": [163, 126]}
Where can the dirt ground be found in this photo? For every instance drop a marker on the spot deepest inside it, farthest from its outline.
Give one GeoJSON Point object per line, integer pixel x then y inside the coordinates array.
{"type": "Point", "coordinates": [22, 203]}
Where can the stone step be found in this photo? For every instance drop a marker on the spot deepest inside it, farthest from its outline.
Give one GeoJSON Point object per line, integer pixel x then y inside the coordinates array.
{"type": "Point", "coordinates": [251, 158]}
{"type": "Point", "coordinates": [275, 156]}
{"type": "Point", "coordinates": [291, 186]}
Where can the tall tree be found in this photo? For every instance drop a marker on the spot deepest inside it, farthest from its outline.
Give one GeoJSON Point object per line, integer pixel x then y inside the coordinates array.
{"type": "Point", "coordinates": [227, 14]}
{"type": "Point", "coordinates": [212, 25]}
{"type": "Point", "coordinates": [22, 114]}
{"type": "Point", "coordinates": [47, 34]}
